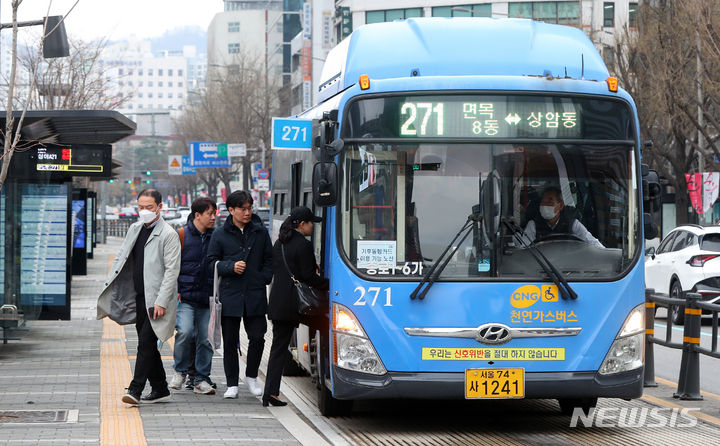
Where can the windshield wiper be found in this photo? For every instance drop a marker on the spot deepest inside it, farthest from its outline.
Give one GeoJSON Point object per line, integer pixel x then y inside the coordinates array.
{"type": "Point", "coordinates": [434, 272]}
{"type": "Point", "coordinates": [555, 275]}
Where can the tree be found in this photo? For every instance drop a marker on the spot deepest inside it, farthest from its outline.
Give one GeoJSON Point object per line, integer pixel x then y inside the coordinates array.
{"type": "Point", "coordinates": [671, 67]}
{"type": "Point", "coordinates": [237, 107]}
{"type": "Point", "coordinates": [76, 82]}
{"type": "Point", "coordinates": [11, 136]}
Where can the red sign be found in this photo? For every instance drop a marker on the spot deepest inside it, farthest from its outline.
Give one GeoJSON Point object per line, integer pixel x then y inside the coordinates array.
{"type": "Point", "coordinates": [694, 183]}
{"type": "Point", "coordinates": [307, 60]}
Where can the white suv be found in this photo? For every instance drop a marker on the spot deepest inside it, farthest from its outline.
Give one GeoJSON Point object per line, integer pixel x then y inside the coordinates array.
{"type": "Point", "coordinates": [688, 259]}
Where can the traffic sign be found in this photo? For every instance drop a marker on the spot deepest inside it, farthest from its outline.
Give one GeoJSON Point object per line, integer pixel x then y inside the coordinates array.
{"type": "Point", "coordinates": [206, 154]}
{"type": "Point", "coordinates": [263, 184]}
{"type": "Point", "coordinates": [263, 174]}
{"type": "Point", "coordinates": [187, 168]}
{"type": "Point", "coordinates": [291, 134]}
{"type": "Point", "coordinates": [254, 170]}
{"type": "Point", "coordinates": [237, 150]}
{"type": "Point", "coordinates": [174, 164]}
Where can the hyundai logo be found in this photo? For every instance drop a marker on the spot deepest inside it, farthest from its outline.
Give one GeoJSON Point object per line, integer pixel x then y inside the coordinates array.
{"type": "Point", "coordinates": [493, 334]}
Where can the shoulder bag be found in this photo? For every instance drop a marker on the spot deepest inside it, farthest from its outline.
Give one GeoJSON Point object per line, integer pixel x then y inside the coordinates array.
{"type": "Point", "coordinates": [311, 302]}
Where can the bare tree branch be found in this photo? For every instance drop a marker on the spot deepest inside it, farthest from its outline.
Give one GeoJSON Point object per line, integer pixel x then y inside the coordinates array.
{"type": "Point", "coordinates": [235, 109]}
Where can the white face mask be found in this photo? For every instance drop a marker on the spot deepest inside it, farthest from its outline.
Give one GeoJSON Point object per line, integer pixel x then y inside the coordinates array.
{"type": "Point", "coordinates": [547, 212]}
{"type": "Point", "coordinates": [146, 216]}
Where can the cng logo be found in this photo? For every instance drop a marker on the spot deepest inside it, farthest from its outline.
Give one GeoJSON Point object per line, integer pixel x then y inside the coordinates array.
{"type": "Point", "coordinates": [525, 296]}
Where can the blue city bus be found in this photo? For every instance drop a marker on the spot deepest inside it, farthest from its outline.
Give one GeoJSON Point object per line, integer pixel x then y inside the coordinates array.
{"type": "Point", "coordinates": [434, 142]}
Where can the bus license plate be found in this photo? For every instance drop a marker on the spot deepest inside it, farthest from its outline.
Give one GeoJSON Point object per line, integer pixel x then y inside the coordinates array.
{"type": "Point", "coordinates": [495, 383]}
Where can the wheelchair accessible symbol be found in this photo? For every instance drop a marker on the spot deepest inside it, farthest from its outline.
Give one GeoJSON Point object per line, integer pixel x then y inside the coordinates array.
{"type": "Point", "coordinates": [549, 293]}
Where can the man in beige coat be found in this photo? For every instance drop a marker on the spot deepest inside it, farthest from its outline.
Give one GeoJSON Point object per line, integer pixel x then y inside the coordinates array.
{"type": "Point", "coordinates": [142, 288]}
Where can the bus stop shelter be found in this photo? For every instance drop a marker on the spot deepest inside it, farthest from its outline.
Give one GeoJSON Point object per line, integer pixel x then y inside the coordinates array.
{"type": "Point", "coordinates": [40, 225]}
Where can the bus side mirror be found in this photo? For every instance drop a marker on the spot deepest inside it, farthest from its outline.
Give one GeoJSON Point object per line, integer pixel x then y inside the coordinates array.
{"type": "Point", "coordinates": [652, 190]}
{"type": "Point", "coordinates": [650, 227]}
{"type": "Point", "coordinates": [325, 184]}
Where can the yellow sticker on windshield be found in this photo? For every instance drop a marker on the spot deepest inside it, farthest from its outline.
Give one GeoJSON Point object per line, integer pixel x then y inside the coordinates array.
{"type": "Point", "coordinates": [495, 354]}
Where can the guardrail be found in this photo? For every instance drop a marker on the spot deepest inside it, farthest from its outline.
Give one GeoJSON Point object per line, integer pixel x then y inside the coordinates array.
{"type": "Point", "coordinates": [689, 379]}
{"type": "Point", "coordinates": [117, 228]}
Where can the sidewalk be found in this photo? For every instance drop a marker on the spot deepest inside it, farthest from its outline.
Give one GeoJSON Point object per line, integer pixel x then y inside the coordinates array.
{"type": "Point", "coordinates": [71, 374]}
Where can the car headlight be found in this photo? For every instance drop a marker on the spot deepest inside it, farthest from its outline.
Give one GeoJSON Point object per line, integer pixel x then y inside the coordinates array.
{"type": "Point", "coordinates": [627, 352]}
{"type": "Point", "coordinates": [351, 347]}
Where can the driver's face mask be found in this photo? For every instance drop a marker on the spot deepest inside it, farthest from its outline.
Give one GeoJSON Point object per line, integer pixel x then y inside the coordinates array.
{"type": "Point", "coordinates": [548, 212]}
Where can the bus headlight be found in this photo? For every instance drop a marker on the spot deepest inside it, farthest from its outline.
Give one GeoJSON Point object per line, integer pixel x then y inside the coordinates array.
{"type": "Point", "coordinates": [352, 349]}
{"type": "Point", "coordinates": [627, 352]}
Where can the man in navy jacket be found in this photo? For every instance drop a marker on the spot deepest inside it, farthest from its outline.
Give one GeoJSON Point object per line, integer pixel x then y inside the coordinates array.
{"type": "Point", "coordinates": [195, 285]}
{"type": "Point", "coordinates": [242, 248]}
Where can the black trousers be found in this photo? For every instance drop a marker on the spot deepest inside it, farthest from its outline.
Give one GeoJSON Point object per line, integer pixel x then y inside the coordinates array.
{"type": "Point", "coordinates": [255, 327]}
{"type": "Point", "coordinates": [148, 364]}
{"type": "Point", "coordinates": [282, 333]}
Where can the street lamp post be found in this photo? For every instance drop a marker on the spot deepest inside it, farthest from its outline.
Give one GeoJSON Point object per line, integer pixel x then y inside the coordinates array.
{"type": "Point", "coordinates": [268, 26]}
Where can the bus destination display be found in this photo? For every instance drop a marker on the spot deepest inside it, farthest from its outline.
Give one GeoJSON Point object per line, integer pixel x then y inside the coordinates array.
{"type": "Point", "coordinates": [489, 117]}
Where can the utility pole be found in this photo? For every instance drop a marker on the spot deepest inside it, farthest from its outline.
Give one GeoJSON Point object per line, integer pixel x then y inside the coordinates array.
{"type": "Point", "coordinates": [701, 119]}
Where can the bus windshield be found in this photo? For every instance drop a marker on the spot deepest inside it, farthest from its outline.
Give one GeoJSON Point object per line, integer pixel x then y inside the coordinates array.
{"type": "Point", "coordinates": [576, 201]}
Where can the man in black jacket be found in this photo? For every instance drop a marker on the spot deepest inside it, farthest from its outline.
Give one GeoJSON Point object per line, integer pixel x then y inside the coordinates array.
{"type": "Point", "coordinates": [195, 285]}
{"type": "Point", "coordinates": [243, 251]}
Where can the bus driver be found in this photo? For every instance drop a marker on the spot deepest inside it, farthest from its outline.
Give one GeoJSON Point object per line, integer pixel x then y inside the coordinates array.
{"type": "Point", "coordinates": [555, 219]}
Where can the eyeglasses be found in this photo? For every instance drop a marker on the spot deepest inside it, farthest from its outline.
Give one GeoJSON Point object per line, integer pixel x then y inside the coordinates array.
{"type": "Point", "coordinates": [245, 209]}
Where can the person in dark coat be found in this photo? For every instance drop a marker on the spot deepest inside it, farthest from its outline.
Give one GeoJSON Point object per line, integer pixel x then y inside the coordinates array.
{"type": "Point", "coordinates": [283, 307]}
{"type": "Point", "coordinates": [243, 251]}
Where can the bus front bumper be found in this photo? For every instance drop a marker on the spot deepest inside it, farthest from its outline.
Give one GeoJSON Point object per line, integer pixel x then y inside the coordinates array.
{"type": "Point", "coordinates": [349, 385]}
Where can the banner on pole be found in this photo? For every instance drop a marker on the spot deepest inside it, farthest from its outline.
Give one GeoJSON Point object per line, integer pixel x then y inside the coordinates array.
{"type": "Point", "coordinates": [694, 184]}
{"type": "Point", "coordinates": [710, 189]}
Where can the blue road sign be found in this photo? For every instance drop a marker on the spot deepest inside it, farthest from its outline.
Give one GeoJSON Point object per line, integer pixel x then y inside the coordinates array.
{"type": "Point", "coordinates": [292, 134]}
{"type": "Point", "coordinates": [205, 154]}
{"type": "Point", "coordinates": [187, 168]}
{"type": "Point", "coordinates": [263, 174]}
{"type": "Point", "coordinates": [254, 169]}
